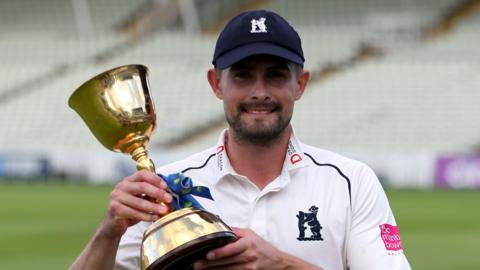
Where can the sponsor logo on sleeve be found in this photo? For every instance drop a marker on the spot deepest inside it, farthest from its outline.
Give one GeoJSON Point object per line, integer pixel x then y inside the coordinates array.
{"type": "Point", "coordinates": [390, 237]}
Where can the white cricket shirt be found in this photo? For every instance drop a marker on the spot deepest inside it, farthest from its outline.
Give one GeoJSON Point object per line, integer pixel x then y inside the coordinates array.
{"type": "Point", "coordinates": [324, 208]}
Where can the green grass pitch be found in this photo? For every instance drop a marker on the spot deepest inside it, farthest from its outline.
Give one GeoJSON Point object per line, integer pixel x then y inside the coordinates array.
{"type": "Point", "coordinates": [45, 226]}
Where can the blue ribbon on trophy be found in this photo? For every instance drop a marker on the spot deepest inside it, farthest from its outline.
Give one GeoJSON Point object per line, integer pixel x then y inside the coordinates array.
{"type": "Point", "coordinates": [183, 190]}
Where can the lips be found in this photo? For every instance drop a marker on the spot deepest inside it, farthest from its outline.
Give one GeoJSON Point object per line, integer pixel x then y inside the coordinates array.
{"type": "Point", "coordinates": [259, 110]}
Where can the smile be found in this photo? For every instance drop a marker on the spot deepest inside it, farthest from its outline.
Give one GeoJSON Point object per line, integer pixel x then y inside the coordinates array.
{"type": "Point", "coordinates": [259, 111]}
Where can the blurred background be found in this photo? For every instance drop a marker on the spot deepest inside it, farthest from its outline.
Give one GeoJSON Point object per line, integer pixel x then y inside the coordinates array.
{"type": "Point", "coordinates": [395, 84]}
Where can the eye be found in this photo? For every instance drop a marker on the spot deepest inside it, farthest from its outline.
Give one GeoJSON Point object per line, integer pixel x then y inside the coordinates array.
{"type": "Point", "coordinates": [279, 74]}
{"type": "Point", "coordinates": [242, 75]}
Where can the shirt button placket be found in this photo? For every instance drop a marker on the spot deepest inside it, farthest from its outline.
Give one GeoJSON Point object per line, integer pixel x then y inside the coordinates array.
{"type": "Point", "coordinates": [259, 216]}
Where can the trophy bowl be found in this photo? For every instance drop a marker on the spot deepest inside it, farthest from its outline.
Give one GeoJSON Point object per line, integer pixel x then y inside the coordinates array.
{"type": "Point", "coordinates": [117, 107]}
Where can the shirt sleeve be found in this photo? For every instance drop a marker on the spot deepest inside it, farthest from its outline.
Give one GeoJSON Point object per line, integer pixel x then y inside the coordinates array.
{"type": "Point", "coordinates": [128, 253]}
{"type": "Point", "coordinates": [374, 240]}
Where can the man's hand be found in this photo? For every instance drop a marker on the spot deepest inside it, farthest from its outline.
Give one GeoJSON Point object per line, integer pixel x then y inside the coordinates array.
{"type": "Point", "coordinates": [250, 251]}
{"type": "Point", "coordinates": [137, 197]}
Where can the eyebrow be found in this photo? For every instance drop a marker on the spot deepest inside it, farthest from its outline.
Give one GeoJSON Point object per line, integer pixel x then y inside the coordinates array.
{"type": "Point", "coordinates": [240, 66]}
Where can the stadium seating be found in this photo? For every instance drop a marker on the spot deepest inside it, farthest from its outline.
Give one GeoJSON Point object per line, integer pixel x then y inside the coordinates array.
{"type": "Point", "coordinates": [419, 96]}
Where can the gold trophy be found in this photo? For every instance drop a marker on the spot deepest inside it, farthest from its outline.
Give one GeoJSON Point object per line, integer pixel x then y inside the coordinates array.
{"type": "Point", "coordinates": [117, 107]}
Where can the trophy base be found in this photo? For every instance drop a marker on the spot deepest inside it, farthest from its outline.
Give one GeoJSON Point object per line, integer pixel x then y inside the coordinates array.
{"type": "Point", "coordinates": [185, 255]}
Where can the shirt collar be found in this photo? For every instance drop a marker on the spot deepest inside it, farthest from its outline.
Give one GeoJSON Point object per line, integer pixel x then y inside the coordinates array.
{"type": "Point", "coordinates": [223, 163]}
{"type": "Point", "coordinates": [294, 157]}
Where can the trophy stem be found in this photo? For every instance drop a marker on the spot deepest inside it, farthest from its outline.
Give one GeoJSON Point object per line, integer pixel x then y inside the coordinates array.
{"type": "Point", "coordinates": [140, 155]}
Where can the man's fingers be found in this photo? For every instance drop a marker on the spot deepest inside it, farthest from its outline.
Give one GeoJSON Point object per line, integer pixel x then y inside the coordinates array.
{"type": "Point", "coordinates": [228, 250]}
{"type": "Point", "coordinates": [122, 211]}
{"type": "Point", "coordinates": [241, 232]}
{"type": "Point", "coordinates": [146, 176]}
{"type": "Point", "coordinates": [141, 204]}
{"type": "Point", "coordinates": [141, 196]}
{"type": "Point", "coordinates": [146, 185]}
{"type": "Point", "coordinates": [141, 189]}
{"type": "Point", "coordinates": [225, 255]}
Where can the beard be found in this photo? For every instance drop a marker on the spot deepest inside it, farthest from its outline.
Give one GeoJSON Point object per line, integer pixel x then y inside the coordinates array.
{"type": "Point", "coordinates": [260, 132]}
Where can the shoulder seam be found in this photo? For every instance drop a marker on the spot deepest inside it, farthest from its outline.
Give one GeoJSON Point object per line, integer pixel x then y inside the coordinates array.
{"type": "Point", "coordinates": [199, 167]}
{"type": "Point", "coordinates": [339, 172]}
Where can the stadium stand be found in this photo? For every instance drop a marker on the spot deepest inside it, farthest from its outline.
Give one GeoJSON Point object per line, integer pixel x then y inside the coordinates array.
{"type": "Point", "coordinates": [381, 87]}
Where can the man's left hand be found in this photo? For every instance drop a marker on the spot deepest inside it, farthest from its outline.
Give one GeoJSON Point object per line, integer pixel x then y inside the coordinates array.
{"type": "Point", "coordinates": [250, 251]}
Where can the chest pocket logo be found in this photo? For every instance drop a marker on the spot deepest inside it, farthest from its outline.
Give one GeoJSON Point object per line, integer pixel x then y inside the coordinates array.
{"type": "Point", "coordinates": [309, 219]}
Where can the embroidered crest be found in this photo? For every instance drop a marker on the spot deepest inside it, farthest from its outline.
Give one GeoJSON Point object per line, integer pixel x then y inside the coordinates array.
{"type": "Point", "coordinates": [258, 26]}
{"type": "Point", "coordinates": [310, 219]}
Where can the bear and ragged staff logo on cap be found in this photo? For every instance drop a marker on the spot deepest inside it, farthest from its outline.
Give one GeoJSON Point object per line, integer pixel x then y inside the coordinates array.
{"type": "Point", "coordinates": [258, 26]}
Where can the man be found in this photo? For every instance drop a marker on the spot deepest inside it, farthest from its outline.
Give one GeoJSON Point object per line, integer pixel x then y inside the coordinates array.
{"type": "Point", "coordinates": [293, 206]}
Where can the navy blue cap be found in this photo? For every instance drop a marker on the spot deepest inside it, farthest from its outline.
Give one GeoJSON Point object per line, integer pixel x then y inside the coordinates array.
{"type": "Point", "coordinates": [257, 32]}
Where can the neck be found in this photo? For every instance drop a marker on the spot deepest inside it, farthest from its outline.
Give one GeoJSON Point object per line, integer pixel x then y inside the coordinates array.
{"type": "Point", "coordinates": [260, 163]}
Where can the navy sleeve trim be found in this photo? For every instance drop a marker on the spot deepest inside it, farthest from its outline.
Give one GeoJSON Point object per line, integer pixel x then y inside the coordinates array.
{"type": "Point", "coordinates": [199, 167]}
{"type": "Point", "coordinates": [339, 172]}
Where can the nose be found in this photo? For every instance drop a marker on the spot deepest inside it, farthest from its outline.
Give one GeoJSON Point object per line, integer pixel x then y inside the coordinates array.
{"type": "Point", "coordinates": [260, 91]}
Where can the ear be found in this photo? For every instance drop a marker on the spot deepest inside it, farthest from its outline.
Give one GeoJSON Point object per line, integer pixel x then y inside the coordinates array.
{"type": "Point", "coordinates": [302, 81]}
{"type": "Point", "coordinates": [213, 78]}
